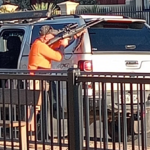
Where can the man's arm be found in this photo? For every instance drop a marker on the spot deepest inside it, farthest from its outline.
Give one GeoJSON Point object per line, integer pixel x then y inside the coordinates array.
{"type": "Point", "coordinates": [50, 54]}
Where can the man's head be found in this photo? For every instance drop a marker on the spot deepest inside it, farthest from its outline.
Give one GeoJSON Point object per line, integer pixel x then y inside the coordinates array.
{"type": "Point", "coordinates": [47, 33]}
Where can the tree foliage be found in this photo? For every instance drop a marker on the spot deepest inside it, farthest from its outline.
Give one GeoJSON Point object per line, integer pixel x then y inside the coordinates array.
{"type": "Point", "coordinates": [95, 9]}
{"type": "Point", "coordinates": [23, 4]}
{"type": "Point", "coordinates": [26, 3]}
{"type": "Point", "coordinates": [52, 9]}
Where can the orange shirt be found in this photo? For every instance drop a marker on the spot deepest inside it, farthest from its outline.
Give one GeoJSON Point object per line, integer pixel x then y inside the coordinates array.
{"type": "Point", "coordinates": [41, 55]}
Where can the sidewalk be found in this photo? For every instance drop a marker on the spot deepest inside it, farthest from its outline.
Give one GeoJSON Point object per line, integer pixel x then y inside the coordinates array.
{"type": "Point", "coordinates": [91, 144]}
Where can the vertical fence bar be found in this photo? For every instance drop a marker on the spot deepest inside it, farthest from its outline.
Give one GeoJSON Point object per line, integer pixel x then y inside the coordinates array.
{"type": "Point", "coordinates": [64, 114]}
{"type": "Point", "coordinates": [104, 111]}
{"type": "Point", "coordinates": [124, 117]}
{"type": "Point", "coordinates": [86, 115]}
{"type": "Point", "coordinates": [144, 113]}
{"type": "Point", "coordinates": [113, 115]}
{"type": "Point", "coordinates": [100, 115]}
{"type": "Point", "coordinates": [4, 113]}
{"type": "Point", "coordinates": [27, 113]}
{"type": "Point", "coordinates": [57, 114]}
{"type": "Point", "coordinates": [35, 127]}
{"type": "Point", "coordinates": [119, 102]}
{"type": "Point", "coordinates": [15, 118]}
{"type": "Point", "coordinates": [43, 114]}
{"type": "Point", "coordinates": [51, 116]}
{"type": "Point", "coordinates": [122, 107]}
{"type": "Point", "coordinates": [94, 117]}
{"type": "Point", "coordinates": [138, 115]}
{"type": "Point", "coordinates": [74, 112]}
{"type": "Point", "coordinates": [132, 115]}
{"type": "Point", "coordinates": [81, 108]}
{"type": "Point", "coordinates": [60, 113]}
{"type": "Point", "coordinates": [11, 115]}
{"type": "Point", "coordinates": [19, 115]}
{"type": "Point", "coordinates": [142, 117]}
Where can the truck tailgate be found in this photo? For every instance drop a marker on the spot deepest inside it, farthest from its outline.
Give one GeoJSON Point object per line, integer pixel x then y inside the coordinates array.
{"type": "Point", "coordinates": [121, 62]}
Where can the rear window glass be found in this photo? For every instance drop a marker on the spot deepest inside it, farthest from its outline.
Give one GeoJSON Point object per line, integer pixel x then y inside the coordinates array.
{"type": "Point", "coordinates": [120, 37]}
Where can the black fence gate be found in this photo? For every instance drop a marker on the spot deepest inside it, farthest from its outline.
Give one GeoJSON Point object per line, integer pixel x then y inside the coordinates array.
{"type": "Point", "coordinates": [74, 110]}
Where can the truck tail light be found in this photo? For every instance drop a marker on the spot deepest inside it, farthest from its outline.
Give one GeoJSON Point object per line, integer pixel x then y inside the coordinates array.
{"type": "Point", "coordinates": [85, 65]}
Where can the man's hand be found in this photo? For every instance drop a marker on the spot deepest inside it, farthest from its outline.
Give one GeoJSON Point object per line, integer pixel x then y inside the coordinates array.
{"type": "Point", "coordinates": [80, 33]}
{"type": "Point", "coordinates": [64, 42]}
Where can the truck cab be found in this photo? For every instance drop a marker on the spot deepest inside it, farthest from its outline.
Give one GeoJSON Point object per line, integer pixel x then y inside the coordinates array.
{"type": "Point", "coordinates": [76, 53]}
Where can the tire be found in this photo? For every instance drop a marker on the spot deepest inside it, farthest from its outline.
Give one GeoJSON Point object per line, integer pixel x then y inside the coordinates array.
{"type": "Point", "coordinates": [116, 136]}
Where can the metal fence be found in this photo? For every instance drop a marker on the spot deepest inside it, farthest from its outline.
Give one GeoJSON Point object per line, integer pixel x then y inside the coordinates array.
{"type": "Point", "coordinates": [127, 11]}
{"type": "Point", "coordinates": [74, 110]}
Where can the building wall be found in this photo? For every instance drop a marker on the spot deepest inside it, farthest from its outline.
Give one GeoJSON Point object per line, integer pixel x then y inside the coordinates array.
{"type": "Point", "coordinates": [109, 2]}
{"type": "Point", "coordinates": [104, 2]}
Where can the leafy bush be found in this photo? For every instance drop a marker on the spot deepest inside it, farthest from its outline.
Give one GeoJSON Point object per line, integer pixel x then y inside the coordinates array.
{"type": "Point", "coordinates": [46, 6]}
{"type": "Point", "coordinates": [23, 4]}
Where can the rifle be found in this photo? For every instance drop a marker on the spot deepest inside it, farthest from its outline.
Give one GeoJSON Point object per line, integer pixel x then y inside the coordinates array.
{"type": "Point", "coordinates": [73, 30]}
{"type": "Point", "coordinates": [67, 28]}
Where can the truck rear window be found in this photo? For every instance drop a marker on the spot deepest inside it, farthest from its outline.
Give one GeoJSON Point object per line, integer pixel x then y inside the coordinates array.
{"type": "Point", "coordinates": [120, 37]}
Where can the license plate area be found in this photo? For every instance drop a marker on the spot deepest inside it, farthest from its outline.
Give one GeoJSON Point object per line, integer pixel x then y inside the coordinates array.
{"type": "Point", "coordinates": [127, 99]}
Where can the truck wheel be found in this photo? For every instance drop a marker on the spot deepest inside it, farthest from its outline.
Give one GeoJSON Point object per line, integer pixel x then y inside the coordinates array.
{"type": "Point", "coordinates": [116, 137]}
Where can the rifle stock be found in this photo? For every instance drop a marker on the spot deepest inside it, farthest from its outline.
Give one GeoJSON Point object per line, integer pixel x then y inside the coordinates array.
{"type": "Point", "coordinates": [71, 32]}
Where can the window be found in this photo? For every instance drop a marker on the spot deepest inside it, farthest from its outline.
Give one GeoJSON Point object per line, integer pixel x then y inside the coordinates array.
{"type": "Point", "coordinates": [129, 37]}
{"type": "Point", "coordinates": [5, 34]}
{"type": "Point", "coordinates": [10, 46]}
{"type": "Point", "coordinates": [36, 29]}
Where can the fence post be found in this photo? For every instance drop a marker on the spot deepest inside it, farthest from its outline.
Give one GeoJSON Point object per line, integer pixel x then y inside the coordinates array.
{"type": "Point", "coordinates": [74, 106]}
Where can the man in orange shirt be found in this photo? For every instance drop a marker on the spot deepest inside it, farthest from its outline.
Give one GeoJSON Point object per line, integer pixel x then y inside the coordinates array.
{"type": "Point", "coordinates": [41, 54]}
{"type": "Point", "coordinates": [40, 57]}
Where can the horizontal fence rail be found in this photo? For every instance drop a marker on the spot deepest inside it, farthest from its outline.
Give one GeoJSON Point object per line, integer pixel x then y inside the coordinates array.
{"type": "Point", "coordinates": [74, 110]}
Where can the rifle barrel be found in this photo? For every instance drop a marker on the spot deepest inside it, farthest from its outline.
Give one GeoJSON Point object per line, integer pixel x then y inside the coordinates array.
{"type": "Point", "coordinates": [72, 32]}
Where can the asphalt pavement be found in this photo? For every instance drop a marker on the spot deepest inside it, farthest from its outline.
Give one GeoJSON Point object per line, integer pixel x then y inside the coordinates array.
{"type": "Point", "coordinates": [100, 136]}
